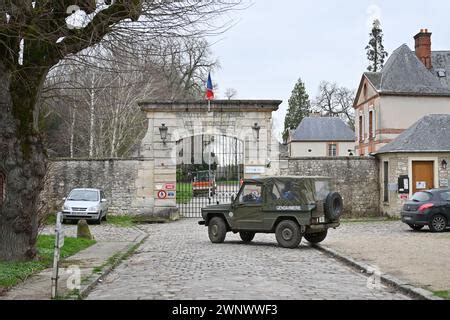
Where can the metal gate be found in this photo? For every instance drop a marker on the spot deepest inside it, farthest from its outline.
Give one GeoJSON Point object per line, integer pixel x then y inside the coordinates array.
{"type": "Point", "coordinates": [209, 171]}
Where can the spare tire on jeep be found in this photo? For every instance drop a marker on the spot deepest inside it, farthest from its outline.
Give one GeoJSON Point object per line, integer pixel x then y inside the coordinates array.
{"type": "Point", "coordinates": [333, 206]}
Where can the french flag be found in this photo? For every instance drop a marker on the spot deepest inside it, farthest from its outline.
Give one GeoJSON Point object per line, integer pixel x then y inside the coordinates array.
{"type": "Point", "coordinates": [209, 88]}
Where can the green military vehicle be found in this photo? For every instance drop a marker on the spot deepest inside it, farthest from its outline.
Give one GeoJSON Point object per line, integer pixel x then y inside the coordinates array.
{"type": "Point", "coordinates": [290, 207]}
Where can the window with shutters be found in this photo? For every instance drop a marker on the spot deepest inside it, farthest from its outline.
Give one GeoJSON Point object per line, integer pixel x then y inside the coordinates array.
{"type": "Point", "coordinates": [332, 150]}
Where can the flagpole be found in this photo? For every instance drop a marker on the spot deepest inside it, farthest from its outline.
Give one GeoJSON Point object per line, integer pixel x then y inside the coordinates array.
{"type": "Point", "coordinates": [209, 105]}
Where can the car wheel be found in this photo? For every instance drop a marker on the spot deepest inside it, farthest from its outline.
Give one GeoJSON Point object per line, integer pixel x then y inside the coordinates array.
{"type": "Point", "coordinates": [415, 227]}
{"type": "Point", "coordinates": [438, 223]}
{"type": "Point", "coordinates": [316, 237]}
{"type": "Point", "coordinates": [99, 220]}
{"type": "Point", "coordinates": [104, 217]}
{"type": "Point", "coordinates": [247, 236]}
{"type": "Point", "coordinates": [288, 234]}
{"type": "Point", "coordinates": [334, 206]}
{"type": "Point", "coordinates": [217, 230]}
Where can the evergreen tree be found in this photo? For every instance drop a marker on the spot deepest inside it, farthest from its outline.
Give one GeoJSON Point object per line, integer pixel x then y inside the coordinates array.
{"type": "Point", "coordinates": [375, 49]}
{"type": "Point", "coordinates": [299, 108]}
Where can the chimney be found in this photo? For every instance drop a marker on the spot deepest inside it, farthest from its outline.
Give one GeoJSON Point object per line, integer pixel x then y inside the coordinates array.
{"type": "Point", "coordinates": [423, 47]}
{"type": "Point", "coordinates": [315, 114]}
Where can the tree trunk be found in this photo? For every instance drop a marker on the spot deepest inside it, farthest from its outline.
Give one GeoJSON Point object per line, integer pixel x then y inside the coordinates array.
{"type": "Point", "coordinates": [72, 130]}
{"type": "Point", "coordinates": [23, 162]}
{"type": "Point", "coordinates": [92, 118]}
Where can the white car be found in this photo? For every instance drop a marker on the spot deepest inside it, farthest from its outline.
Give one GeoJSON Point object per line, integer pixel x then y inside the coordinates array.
{"type": "Point", "coordinates": [88, 204]}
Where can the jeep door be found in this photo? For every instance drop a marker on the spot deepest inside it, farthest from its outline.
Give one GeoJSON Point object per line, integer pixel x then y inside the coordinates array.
{"type": "Point", "coordinates": [247, 208]}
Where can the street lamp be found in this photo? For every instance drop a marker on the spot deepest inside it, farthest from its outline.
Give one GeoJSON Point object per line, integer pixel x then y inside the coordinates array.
{"type": "Point", "coordinates": [163, 132]}
{"type": "Point", "coordinates": [444, 164]}
{"type": "Point", "coordinates": [256, 128]}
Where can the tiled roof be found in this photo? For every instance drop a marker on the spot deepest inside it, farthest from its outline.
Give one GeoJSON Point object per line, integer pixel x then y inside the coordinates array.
{"type": "Point", "coordinates": [404, 73]}
{"type": "Point", "coordinates": [323, 129]}
{"type": "Point", "coordinates": [429, 134]}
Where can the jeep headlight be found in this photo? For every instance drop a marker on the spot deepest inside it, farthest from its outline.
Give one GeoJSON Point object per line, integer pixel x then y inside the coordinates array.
{"type": "Point", "coordinates": [66, 208]}
{"type": "Point", "coordinates": [93, 209]}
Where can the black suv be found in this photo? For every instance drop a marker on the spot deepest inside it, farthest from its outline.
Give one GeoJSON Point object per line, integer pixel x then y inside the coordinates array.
{"type": "Point", "coordinates": [290, 207]}
{"type": "Point", "coordinates": [428, 208]}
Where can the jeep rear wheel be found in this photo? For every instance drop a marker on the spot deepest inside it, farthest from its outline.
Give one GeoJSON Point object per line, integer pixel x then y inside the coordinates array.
{"type": "Point", "coordinates": [288, 234]}
{"type": "Point", "coordinates": [333, 206]}
{"type": "Point", "coordinates": [247, 236]}
{"type": "Point", "coordinates": [217, 230]}
{"type": "Point", "coordinates": [316, 237]}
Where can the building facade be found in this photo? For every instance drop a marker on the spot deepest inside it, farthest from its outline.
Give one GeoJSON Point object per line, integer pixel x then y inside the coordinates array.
{"type": "Point", "coordinates": [411, 85]}
{"type": "Point", "coordinates": [322, 137]}
{"type": "Point", "coordinates": [417, 160]}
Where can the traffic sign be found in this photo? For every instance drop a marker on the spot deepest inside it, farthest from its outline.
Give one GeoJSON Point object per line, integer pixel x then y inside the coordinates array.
{"type": "Point", "coordinates": [170, 186]}
{"type": "Point", "coordinates": [162, 194]}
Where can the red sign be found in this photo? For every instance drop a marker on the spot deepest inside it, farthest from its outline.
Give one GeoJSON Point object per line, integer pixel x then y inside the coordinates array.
{"type": "Point", "coordinates": [162, 194]}
{"type": "Point", "coordinates": [170, 186]}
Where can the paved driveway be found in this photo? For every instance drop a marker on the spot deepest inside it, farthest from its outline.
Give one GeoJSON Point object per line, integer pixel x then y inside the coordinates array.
{"type": "Point", "coordinates": [177, 261]}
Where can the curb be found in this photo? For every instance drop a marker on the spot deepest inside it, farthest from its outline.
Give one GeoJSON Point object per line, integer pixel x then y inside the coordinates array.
{"type": "Point", "coordinates": [95, 278]}
{"type": "Point", "coordinates": [386, 279]}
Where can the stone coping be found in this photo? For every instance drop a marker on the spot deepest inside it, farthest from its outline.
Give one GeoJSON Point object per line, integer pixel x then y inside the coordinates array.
{"type": "Point", "coordinates": [287, 158]}
{"type": "Point", "coordinates": [98, 159]}
{"type": "Point", "coordinates": [216, 105]}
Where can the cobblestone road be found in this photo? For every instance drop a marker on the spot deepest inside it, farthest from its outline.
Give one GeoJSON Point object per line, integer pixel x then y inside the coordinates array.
{"type": "Point", "coordinates": [177, 261]}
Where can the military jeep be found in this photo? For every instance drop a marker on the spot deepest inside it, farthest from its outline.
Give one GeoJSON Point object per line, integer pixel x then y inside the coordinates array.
{"type": "Point", "coordinates": [290, 207]}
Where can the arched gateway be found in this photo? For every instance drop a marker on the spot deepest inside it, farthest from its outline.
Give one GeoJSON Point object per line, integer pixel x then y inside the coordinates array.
{"type": "Point", "coordinates": [193, 155]}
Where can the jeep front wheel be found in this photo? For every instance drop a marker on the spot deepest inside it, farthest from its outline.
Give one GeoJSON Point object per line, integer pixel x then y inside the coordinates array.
{"type": "Point", "coordinates": [288, 234]}
{"type": "Point", "coordinates": [247, 236]}
{"type": "Point", "coordinates": [316, 237]}
{"type": "Point", "coordinates": [217, 230]}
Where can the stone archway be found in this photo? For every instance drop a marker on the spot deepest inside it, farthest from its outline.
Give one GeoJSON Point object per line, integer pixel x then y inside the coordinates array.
{"type": "Point", "coordinates": [249, 121]}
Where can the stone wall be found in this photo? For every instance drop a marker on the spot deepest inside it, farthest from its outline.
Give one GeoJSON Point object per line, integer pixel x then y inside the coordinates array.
{"type": "Point", "coordinates": [356, 179]}
{"type": "Point", "coordinates": [116, 177]}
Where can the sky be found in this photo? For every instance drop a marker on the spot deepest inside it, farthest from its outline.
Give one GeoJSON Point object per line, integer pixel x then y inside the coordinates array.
{"type": "Point", "coordinates": [274, 43]}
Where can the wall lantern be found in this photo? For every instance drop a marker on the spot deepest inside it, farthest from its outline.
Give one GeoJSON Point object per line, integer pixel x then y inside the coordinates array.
{"type": "Point", "coordinates": [444, 164]}
{"type": "Point", "coordinates": [256, 130]}
{"type": "Point", "coordinates": [163, 132]}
